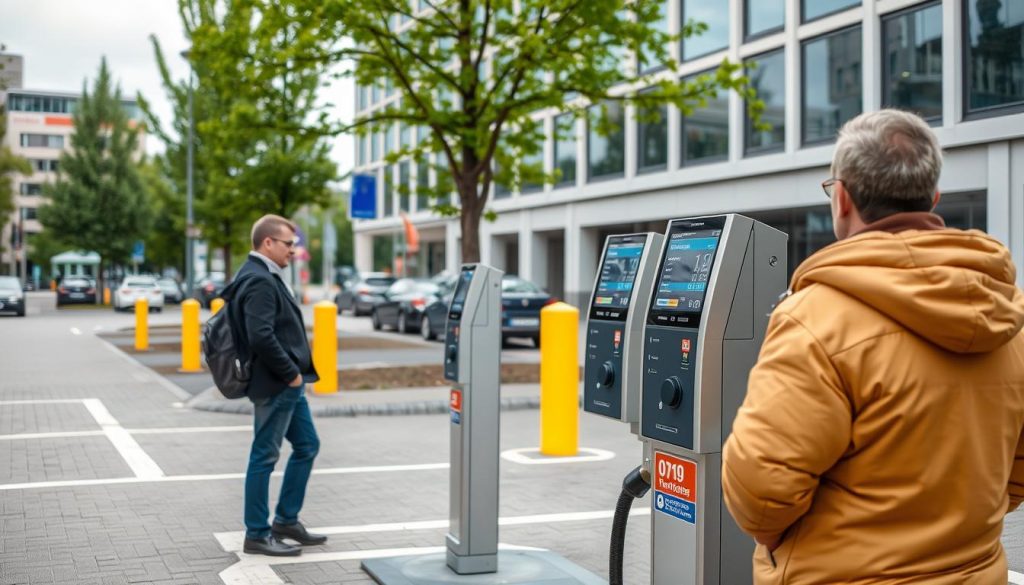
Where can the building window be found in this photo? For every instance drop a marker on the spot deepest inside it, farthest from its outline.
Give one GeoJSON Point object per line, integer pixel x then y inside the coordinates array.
{"type": "Point", "coordinates": [30, 189]}
{"type": "Point", "coordinates": [565, 149]}
{"type": "Point", "coordinates": [29, 213]}
{"type": "Point", "coordinates": [374, 147]}
{"type": "Point", "coordinates": [994, 54]}
{"type": "Point", "coordinates": [43, 104]}
{"type": "Point", "coordinates": [389, 190]}
{"type": "Point", "coordinates": [422, 182]}
{"type": "Point", "coordinates": [361, 97]}
{"type": "Point", "coordinates": [42, 140]}
{"type": "Point", "coordinates": [814, 9]}
{"type": "Point", "coordinates": [763, 16]}
{"type": "Point", "coordinates": [661, 25]}
{"type": "Point", "coordinates": [606, 154]}
{"type": "Point", "coordinates": [360, 151]}
{"type": "Point", "coordinates": [768, 79]}
{"type": "Point", "coordinates": [374, 94]}
{"type": "Point", "coordinates": [705, 132]}
{"type": "Point", "coordinates": [652, 138]}
{"type": "Point", "coordinates": [43, 165]}
{"type": "Point", "coordinates": [912, 61]}
{"type": "Point", "coordinates": [832, 86]}
{"type": "Point", "coordinates": [404, 186]}
{"type": "Point", "coordinates": [715, 14]}
{"type": "Point", "coordinates": [536, 162]}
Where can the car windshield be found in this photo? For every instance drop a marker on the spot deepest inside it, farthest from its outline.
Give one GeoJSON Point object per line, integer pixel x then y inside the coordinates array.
{"type": "Point", "coordinates": [76, 282]}
{"type": "Point", "coordinates": [380, 281]}
{"type": "Point", "coordinates": [518, 285]}
{"type": "Point", "coordinates": [9, 283]}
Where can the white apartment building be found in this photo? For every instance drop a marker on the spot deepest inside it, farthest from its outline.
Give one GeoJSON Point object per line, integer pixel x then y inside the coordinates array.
{"type": "Point", "coordinates": [958, 63]}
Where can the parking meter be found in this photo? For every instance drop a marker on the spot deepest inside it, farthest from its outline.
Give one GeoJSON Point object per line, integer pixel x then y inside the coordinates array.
{"type": "Point", "coordinates": [472, 360]}
{"type": "Point", "coordinates": [618, 307]}
{"type": "Point", "coordinates": [717, 280]}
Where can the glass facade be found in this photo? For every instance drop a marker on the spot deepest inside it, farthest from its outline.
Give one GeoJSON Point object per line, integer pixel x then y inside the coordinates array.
{"type": "Point", "coordinates": [705, 132]}
{"type": "Point", "coordinates": [661, 25]}
{"type": "Point", "coordinates": [565, 149]}
{"type": "Point", "coordinates": [652, 139]}
{"type": "Point", "coordinates": [606, 155]}
{"type": "Point", "coordinates": [994, 56]}
{"type": "Point", "coordinates": [912, 61]}
{"type": "Point", "coordinates": [40, 103]}
{"type": "Point", "coordinates": [768, 79]}
{"type": "Point", "coordinates": [389, 190]}
{"type": "Point", "coordinates": [42, 140]}
{"type": "Point", "coordinates": [813, 9]}
{"type": "Point", "coordinates": [763, 16]}
{"type": "Point", "coordinates": [422, 182]}
{"type": "Point", "coordinates": [832, 83]}
{"type": "Point", "coordinates": [405, 186]}
{"type": "Point", "coordinates": [715, 14]}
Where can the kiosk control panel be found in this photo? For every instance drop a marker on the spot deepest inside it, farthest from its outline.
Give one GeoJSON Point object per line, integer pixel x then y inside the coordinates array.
{"type": "Point", "coordinates": [717, 281]}
{"type": "Point", "coordinates": [472, 362]}
{"type": "Point", "coordinates": [614, 360]}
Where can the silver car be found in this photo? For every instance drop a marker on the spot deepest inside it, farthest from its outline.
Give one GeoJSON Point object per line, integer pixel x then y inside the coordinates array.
{"type": "Point", "coordinates": [12, 298]}
{"type": "Point", "coordinates": [136, 287]}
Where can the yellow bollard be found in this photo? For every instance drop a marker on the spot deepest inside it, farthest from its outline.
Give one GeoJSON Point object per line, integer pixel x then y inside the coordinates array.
{"type": "Point", "coordinates": [53, 285]}
{"type": "Point", "coordinates": [106, 295]}
{"type": "Point", "coordinates": [190, 336]}
{"type": "Point", "coordinates": [141, 324]}
{"type": "Point", "coordinates": [216, 305]}
{"type": "Point", "coordinates": [559, 380]}
{"type": "Point", "coordinates": [325, 346]}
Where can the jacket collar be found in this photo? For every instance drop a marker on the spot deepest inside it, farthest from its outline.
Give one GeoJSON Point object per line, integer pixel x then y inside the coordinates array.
{"type": "Point", "coordinates": [898, 222]}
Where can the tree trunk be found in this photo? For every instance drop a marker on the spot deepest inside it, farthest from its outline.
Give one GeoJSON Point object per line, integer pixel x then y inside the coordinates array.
{"type": "Point", "coordinates": [226, 250]}
{"type": "Point", "coordinates": [100, 283]}
{"type": "Point", "coordinates": [469, 219]}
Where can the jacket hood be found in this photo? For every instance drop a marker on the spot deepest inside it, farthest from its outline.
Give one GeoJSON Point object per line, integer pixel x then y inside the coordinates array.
{"type": "Point", "coordinates": [955, 288]}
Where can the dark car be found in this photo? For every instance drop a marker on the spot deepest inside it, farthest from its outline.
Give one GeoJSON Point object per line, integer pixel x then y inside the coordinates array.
{"type": "Point", "coordinates": [364, 295]}
{"type": "Point", "coordinates": [172, 290]}
{"type": "Point", "coordinates": [74, 290]}
{"type": "Point", "coordinates": [12, 298]}
{"type": "Point", "coordinates": [521, 302]}
{"type": "Point", "coordinates": [404, 302]}
{"type": "Point", "coordinates": [208, 288]}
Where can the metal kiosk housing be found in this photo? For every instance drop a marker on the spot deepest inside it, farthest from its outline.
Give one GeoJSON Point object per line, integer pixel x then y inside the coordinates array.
{"type": "Point", "coordinates": [717, 282]}
{"type": "Point", "coordinates": [612, 375]}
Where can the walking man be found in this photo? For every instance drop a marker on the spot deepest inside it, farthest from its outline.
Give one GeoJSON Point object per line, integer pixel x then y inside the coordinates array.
{"type": "Point", "coordinates": [880, 438]}
{"type": "Point", "coordinates": [281, 363]}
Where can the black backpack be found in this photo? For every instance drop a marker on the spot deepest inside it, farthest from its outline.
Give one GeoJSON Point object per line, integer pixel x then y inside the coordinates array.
{"type": "Point", "coordinates": [228, 362]}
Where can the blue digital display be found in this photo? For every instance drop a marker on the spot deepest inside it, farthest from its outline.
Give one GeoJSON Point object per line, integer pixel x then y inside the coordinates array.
{"type": "Point", "coordinates": [459, 298]}
{"type": "Point", "coordinates": [685, 271]}
{"type": "Point", "coordinates": [617, 278]}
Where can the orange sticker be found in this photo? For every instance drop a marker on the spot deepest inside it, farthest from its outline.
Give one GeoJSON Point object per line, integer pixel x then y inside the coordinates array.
{"type": "Point", "coordinates": [675, 476]}
{"type": "Point", "coordinates": [686, 346]}
{"type": "Point", "coordinates": [456, 401]}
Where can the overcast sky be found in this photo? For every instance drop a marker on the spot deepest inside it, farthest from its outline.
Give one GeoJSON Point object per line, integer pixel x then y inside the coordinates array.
{"type": "Point", "coordinates": [62, 42]}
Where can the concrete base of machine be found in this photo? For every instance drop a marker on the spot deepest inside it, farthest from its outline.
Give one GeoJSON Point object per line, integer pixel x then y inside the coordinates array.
{"type": "Point", "coordinates": [538, 567]}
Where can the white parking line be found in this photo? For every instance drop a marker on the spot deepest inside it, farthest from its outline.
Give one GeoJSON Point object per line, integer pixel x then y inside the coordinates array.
{"type": "Point", "coordinates": [76, 331]}
{"type": "Point", "coordinates": [178, 392]}
{"type": "Point", "coordinates": [62, 435]}
{"type": "Point", "coordinates": [142, 464]}
{"type": "Point", "coordinates": [153, 431]}
{"type": "Point", "coordinates": [521, 456]}
{"type": "Point", "coordinates": [1015, 578]}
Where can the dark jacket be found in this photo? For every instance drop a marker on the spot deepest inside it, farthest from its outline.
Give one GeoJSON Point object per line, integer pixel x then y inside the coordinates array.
{"type": "Point", "coordinates": [269, 324]}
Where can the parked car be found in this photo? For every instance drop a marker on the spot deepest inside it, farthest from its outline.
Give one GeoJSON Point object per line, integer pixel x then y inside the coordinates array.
{"type": "Point", "coordinates": [28, 286]}
{"type": "Point", "coordinates": [521, 302]}
{"type": "Point", "coordinates": [209, 287]}
{"type": "Point", "coordinates": [135, 287]}
{"type": "Point", "coordinates": [403, 304]}
{"type": "Point", "coordinates": [362, 296]}
{"type": "Point", "coordinates": [12, 298]}
{"type": "Point", "coordinates": [172, 290]}
{"type": "Point", "coordinates": [345, 276]}
{"type": "Point", "coordinates": [76, 290]}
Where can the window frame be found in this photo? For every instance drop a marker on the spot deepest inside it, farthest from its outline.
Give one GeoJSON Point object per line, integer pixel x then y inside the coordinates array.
{"type": "Point", "coordinates": [932, 120]}
{"type": "Point", "coordinates": [748, 36]}
{"type": "Point", "coordinates": [803, 82]}
{"type": "Point", "coordinates": [980, 114]}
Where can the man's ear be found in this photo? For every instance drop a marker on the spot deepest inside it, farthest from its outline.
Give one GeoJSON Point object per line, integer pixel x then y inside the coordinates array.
{"type": "Point", "coordinates": [936, 199]}
{"type": "Point", "coordinates": [843, 200]}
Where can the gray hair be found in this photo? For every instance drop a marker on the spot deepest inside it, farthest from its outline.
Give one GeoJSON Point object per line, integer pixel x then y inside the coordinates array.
{"type": "Point", "coordinates": [889, 162]}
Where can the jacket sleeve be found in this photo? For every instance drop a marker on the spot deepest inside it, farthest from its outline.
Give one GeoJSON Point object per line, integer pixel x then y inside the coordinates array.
{"type": "Point", "coordinates": [259, 311]}
{"type": "Point", "coordinates": [793, 426]}
{"type": "Point", "coordinates": [1017, 477]}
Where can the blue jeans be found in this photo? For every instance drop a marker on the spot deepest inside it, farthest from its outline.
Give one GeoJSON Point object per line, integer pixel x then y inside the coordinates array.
{"type": "Point", "coordinates": [283, 416]}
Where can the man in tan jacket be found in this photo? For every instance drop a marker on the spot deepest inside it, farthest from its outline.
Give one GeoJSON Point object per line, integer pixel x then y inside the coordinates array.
{"type": "Point", "coordinates": [880, 438]}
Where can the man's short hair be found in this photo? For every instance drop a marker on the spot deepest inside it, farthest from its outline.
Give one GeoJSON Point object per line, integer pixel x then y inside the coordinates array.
{"type": "Point", "coordinates": [269, 226]}
{"type": "Point", "coordinates": [889, 162]}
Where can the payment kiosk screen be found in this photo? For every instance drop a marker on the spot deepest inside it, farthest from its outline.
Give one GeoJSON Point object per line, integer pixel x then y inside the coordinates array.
{"type": "Point", "coordinates": [685, 271]}
{"type": "Point", "coordinates": [459, 298]}
{"type": "Point", "coordinates": [617, 277]}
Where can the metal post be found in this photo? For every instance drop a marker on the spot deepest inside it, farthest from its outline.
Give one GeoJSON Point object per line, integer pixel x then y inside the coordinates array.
{"type": "Point", "coordinates": [189, 249]}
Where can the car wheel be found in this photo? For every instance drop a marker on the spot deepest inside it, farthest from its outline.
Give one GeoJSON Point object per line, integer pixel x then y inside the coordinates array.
{"type": "Point", "coordinates": [425, 331]}
{"type": "Point", "coordinates": [376, 321]}
{"type": "Point", "coordinates": [403, 326]}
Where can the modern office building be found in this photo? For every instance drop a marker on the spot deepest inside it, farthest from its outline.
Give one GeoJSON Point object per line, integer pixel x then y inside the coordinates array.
{"type": "Point", "coordinates": [39, 129]}
{"type": "Point", "coordinates": [959, 63]}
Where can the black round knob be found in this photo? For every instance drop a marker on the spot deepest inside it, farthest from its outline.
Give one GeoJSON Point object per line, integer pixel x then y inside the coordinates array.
{"type": "Point", "coordinates": [606, 375]}
{"type": "Point", "coordinates": [671, 392]}
{"type": "Point", "coordinates": [452, 352]}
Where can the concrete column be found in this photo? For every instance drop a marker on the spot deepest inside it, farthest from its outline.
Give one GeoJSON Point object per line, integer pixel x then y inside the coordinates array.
{"type": "Point", "coordinates": [793, 90]}
{"type": "Point", "coordinates": [998, 206]}
{"type": "Point", "coordinates": [871, 59]}
{"type": "Point", "coordinates": [364, 252]}
{"type": "Point", "coordinates": [525, 267]}
{"type": "Point", "coordinates": [452, 252]}
{"type": "Point", "coordinates": [537, 251]}
{"type": "Point", "coordinates": [952, 61]}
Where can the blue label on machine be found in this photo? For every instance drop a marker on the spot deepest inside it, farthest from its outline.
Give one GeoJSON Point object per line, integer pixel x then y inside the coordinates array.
{"type": "Point", "coordinates": [673, 506]}
{"type": "Point", "coordinates": [456, 417]}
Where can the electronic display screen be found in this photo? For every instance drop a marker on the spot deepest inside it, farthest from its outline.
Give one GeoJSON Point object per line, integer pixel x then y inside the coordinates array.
{"type": "Point", "coordinates": [685, 271]}
{"type": "Point", "coordinates": [617, 277]}
{"type": "Point", "coordinates": [459, 298]}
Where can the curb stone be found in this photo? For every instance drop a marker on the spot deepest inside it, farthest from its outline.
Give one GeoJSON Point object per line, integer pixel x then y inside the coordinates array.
{"type": "Point", "coordinates": [240, 406]}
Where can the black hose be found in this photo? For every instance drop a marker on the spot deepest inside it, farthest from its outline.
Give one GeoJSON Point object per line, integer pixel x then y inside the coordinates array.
{"type": "Point", "coordinates": [634, 486]}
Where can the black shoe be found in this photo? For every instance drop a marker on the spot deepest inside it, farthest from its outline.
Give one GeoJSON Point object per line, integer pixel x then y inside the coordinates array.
{"type": "Point", "coordinates": [270, 546]}
{"type": "Point", "coordinates": [297, 532]}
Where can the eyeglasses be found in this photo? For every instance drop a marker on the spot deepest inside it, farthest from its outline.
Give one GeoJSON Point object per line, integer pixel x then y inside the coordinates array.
{"type": "Point", "coordinates": [829, 185]}
{"type": "Point", "coordinates": [289, 243]}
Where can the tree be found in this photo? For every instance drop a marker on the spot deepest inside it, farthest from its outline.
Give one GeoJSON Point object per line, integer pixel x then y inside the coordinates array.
{"type": "Point", "coordinates": [97, 202]}
{"type": "Point", "coordinates": [259, 135]}
{"type": "Point", "coordinates": [9, 164]}
{"type": "Point", "coordinates": [474, 73]}
{"type": "Point", "coordinates": [165, 241]}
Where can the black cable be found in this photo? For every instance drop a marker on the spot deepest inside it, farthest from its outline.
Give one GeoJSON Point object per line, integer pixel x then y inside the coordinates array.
{"type": "Point", "coordinates": [634, 486]}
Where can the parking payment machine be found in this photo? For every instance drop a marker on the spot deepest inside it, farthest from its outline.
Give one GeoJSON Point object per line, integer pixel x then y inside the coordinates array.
{"type": "Point", "coordinates": [717, 280]}
{"type": "Point", "coordinates": [618, 307]}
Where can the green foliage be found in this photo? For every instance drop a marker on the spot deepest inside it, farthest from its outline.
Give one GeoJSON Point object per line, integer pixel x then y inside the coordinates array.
{"type": "Point", "coordinates": [9, 164]}
{"type": "Point", "coordinates": [165, 241]}
{"type": "Point", "coordinates": [98, 202]}
{"type": "Point", "coordinates": [259, 145]}
{"type": "Point", "coordinates": [476, 72]}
